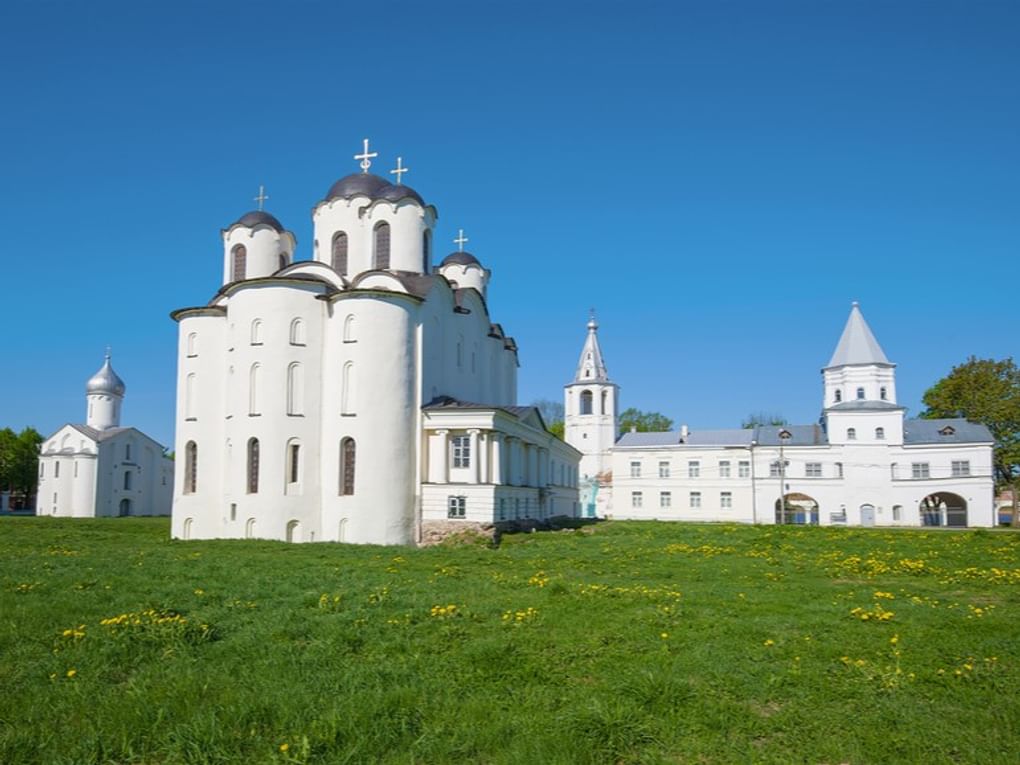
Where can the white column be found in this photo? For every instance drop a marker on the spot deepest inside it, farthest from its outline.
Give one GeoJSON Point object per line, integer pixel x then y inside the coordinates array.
{"type": "Point", "coordinates": [511, 460]}
{"type": "Point", "coordinates": [496, 472]}
{"type": "Point", "coordinates": [484, 466]}
{"type": "Point", "coordinates": [442, 457]}
{"type": "Point", "coordinates": [543, 466]}
{"type": "Point", "coordinates": [473, 463]}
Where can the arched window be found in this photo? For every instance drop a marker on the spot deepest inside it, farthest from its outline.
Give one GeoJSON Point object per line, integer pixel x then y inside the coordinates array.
{"type": "Point", "coordinates": [341, 535]}
{"type": "Point", "coordinates": [189, 397]}
{"type": "Point", "coordinates": [605, 402]}
{"type": "Point", "coordinates": [292, 531]}
{"type": "Point", "coordinates": [253, 390]}
{"type": "Point", "coordinates": [882, 393]}
{"type": "Point", "coordinates": [839, 396]}
{"type": "Point", "coordinates": [256, 332]}
{"type": "Point", "coordinates": [339, 261]}
{"type": "Point", "coordinates": [238, 259]}
{"type": "Point", "coordinates": [426, 251]}
{"type": "Point", "coordinates": [190, 467]}
{"type": "Point", "coordinates": [860, 394]}
{"type": "Point", "coordinates": [192, 344]}
{"type": "Point", "coordinates": [253, 466]}
{"type": "Point", "coordinates": [293, 462]}
{"type": "Point", "coordinates": [347, 389]}
{"type": "Point", "coordinates": [349, 329]}
{"type": "Point", "coordinates": [188, 523]}
{"type": "Point", "coordinates": [851, 434]}
{"type": "Point", "coordinates": [382, 246]}
{"type": "Point", "coordinates": [880, 434]}
{"type": "Point", "coordinates": [586, 402]}
{"type": "Point", "coordinates": [127, 480]}
{"type": "Point", "coordinates": [297, 332]}
{"type": "Point", "coordinates": [295, 390]}
{"type": "Point", "coordinates": [347, 454]}
{"type": "Point", "coordinates": [249, 528]}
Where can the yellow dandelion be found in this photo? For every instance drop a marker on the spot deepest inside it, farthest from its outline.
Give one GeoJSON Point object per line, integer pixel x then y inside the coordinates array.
{"type": "Point", "coordinates": [284, 746]}
{"type": "Point", "coordinates": [72, 672]}
{"type": "Point", "coordinates": [769, 642]}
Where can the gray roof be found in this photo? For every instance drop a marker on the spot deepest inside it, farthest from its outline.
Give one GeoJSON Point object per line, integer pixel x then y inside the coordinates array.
{"type": "Point", "coordinates": [929, 432]}
{"type": "Point", "coordinates": [373, 187]}
{"type": "Point", "coordinates": [800, 435]}
{"type": "Point", "coordinates": [257, 218]}
{"type": "Point", "coordinates": [460, 258]}
{"type": "Point", "coordinates": [725, 437]}
{"type": "Point", "coordinates": [863, 406]}
{"type": "Point", "coordinates": [857, 344]}
{"type": "Point", "coordinates": [95, 434]}
{"type": "Point", "coordinates": [106, 381]}
{"type": "Point", "coordinates": [445, 403]}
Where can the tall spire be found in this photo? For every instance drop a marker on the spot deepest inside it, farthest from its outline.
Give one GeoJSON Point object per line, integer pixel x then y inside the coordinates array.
{"type": "Point", "coordinates": [857, 344]}
{"type": "Point", "coordinates": [591, 367]}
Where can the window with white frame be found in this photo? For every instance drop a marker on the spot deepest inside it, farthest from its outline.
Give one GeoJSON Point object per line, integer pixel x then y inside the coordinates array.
{"type": "Point", "coordinates": [839, 470]}
{"type": "Point", "coordinates": [726, 500]}
{"type": "Point", "coordinates": [897, 511]}
{"type": "Point", "coordinates": [664, 470]}
{"type": "Point", "coordinates": [695, 499]}
{"type": "Point", "coordinates": [461, 451]}
{"type": "Point", "coordinates": [883, 393]}
{"type": "Point", "coordinates": [635, 469]}
{"type": "Point", "coordinates": [693, 469]}
{"type": "Point", "coordinates": [880, 434]}
{"type": "Point", "coordinates": [961, 468]}
{"type": "Point", "coordinates": [851, 434]}
{"type": "Point", "coordinates": [743, 469]}
{"type": "Point", "coordinates": [456, 507]}
{"type": "Point", "coordinates": [774, 468]}
{"type": "Point", "coordinates": [636, 499]}
{"type": "Point", "coordinates": [665, 499]}
{"type": "Point", "coordinates": [724, 468]}
{"type": "Point", "coordinates": [920, 470]}
{"type": "Point", "coordinates": [813, 469]}
{"type": "Point", "coordinates": [860, 394]}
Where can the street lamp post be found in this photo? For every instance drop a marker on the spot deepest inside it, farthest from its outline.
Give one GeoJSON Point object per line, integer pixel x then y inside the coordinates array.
{"type": "Point", "coordinates": [784, 436]}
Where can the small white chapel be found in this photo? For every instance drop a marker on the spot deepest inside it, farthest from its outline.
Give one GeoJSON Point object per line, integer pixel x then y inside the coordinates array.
{"type": "Point", "coordinates": [359, 395]}
{"type": "Point", "coordinates": [101, 469]}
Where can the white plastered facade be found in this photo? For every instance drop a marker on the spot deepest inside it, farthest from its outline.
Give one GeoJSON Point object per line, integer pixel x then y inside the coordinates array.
{"type": "Point", "coordinates": [303, 407]}
{"type": "Point", "coordinates": [864, 464]}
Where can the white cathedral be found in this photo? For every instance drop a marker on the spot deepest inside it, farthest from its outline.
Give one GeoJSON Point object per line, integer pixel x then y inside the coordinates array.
{"type": "Point", "coordinates": [101, 469]}
{"type": "Point", "coordinates": [358, 396]}
{"type": "Point", "coordinates": [863, 464]}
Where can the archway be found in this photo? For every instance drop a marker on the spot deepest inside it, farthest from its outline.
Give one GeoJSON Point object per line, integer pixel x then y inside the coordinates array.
{"type": "Point", "coordinates": [292, 531]}
{"type": "Point", "coordinates": [944, 509]}
{"type": "Point", "coordinates": [125, 506]}
{"type": "Point", "coordinates": [800, 509]}
{"type": "Point", "coordinates": [867, 515]}
{"type": "Point", "coordinates": [249, 529]}
{"type": "Point", "coordinates": [342, 531]}
{"type": "Point", "coordinates": [186, 533]}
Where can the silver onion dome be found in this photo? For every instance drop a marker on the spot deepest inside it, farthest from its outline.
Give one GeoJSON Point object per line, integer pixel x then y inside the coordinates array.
{"type": "Point", "coordinates": [106, 380]}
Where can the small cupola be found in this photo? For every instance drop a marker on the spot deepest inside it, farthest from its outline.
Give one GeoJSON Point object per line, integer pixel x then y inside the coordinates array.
{"type": "Point", "coordinates": [104, 393]}
{"type": "Point", "coordinates": [463, 269]}
{"type": "Point", "coordinates": [256, 245]}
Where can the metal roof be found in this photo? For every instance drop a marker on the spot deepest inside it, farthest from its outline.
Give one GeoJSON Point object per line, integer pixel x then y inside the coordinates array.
{"type": "Point", "coordinates": [259, 217]}
{"type": "Point", "coordinates": [863, 406]}
{"type": "Point", "coordinates": [857, 344]}
{"type": "Point", "coordinates": [800, 435]}
{"type": "Point", "coordinates": [938, 432]}
{"type": "Point", "coordinates": [724, 437]}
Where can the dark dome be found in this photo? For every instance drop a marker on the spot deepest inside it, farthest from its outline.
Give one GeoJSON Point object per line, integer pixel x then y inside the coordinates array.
{"type": "Point", "coordinates": [259, 217]}
{"type": "Point", "coordinates": [364, 184]}
{"type": "Point", "coordinates": [393, 193]}
{"type": "Point", "coordinates": [460, 259]}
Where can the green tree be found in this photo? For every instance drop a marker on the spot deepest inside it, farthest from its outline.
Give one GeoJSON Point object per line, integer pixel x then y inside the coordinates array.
{"type": "Point", "coordinates": [985, 391]}
{"type": "Point", "coordinates": [8, 449]}
{"type": "Point", "coordinates": [552, 415]}
{"type": "Point", "coordinates": [644, 422]}
{"type": "Point", "coordinates": [557, 429]}
{"type": "Point", "coordinates": [763, 418]}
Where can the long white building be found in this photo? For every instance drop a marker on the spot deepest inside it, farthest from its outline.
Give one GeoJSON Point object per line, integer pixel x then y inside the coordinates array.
{"type": "Point", "coordinates": [100, 469]}
{"type": "Point", "coordinates": [357, 396]}
{"type": "Point", "coordinates": [863, 464]}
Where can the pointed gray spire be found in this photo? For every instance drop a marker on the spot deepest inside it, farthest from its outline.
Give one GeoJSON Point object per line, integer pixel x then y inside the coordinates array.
{"type": "Point", "coordinates": [857, 344]}
{"type": "Point", "coordinates": [591, 367]}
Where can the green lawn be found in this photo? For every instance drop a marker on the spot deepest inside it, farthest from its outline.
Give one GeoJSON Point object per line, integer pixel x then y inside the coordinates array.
{"type": "Point", "coordinates": [622, 642]}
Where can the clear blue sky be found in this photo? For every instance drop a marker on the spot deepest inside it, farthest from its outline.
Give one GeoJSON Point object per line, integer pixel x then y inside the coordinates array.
{"type": "Point", "coordinates": [719, 179]}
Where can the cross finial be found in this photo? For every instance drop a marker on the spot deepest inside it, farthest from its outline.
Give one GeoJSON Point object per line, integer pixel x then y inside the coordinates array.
{"type": "Point", "coordinates": [262, 197]}
{"type": "Point", "coordinates": [107, 353]}
{"type": "Point", "coordinates": [592, 324]}
{"type": "Point", "coordinates": [460, 240]}
{"type": "Point", "coordinates": [366, 157]}
{"type": "Point", "coordinates": [400, 170]}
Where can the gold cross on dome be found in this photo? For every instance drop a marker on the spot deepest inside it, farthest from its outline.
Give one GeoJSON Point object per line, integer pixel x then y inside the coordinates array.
{"type": "Point", "coordinates": [262, 197]}
{"type": "Point", "coordinates": [400, 170]}
{"type": "Point", "coordinates": [460, 240]}
{"type": "Point", "coordinates": [366, 157]}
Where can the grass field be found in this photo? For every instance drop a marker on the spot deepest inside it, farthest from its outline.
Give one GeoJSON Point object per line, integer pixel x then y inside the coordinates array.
{"type": "Point", "coordinates": [639, 642]}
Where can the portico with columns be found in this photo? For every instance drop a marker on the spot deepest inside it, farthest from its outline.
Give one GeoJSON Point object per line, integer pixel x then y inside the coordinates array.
{"type": "Point", "coordinates": [490, 464]}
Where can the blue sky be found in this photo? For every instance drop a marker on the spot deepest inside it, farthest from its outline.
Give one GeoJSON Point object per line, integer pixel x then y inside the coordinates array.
{"type": "Point", "coordinates": [719, 179]}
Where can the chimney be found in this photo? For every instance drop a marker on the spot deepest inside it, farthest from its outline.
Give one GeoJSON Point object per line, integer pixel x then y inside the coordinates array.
{"type": "Point", "coordinates": [633, 428]}
{"type": "Point", "coordinates": [683, 432]}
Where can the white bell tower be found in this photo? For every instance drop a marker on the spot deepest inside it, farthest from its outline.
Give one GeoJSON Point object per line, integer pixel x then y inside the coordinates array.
{"type": "Point", "coordinates": [590, 410]}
